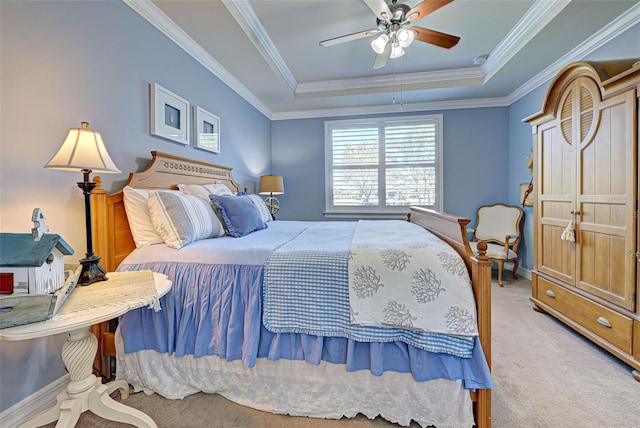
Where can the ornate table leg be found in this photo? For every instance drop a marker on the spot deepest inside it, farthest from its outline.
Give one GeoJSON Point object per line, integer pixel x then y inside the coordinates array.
{"type": "Point", "coordinates": [86, 391]}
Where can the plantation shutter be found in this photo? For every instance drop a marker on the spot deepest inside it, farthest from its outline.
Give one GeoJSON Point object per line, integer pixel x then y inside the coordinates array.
{"type": "Point", "coordinates": [383, 165]}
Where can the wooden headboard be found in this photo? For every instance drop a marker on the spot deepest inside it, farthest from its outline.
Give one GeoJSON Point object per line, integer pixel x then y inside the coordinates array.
{"type": "Point", "coordinates": [112, 239]}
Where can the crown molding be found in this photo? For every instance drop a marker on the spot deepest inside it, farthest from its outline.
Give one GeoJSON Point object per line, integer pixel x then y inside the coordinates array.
{"type": "Point", "coordinates": [246, 17]}
{"type": "Point", "coordinates": [162, 22]}
{"type": "Point", "coordinates": [393, 108]}
{"type": "Point", "coordinates": [531, 23]}
{"type": "Point", "coordinates": [421, 80]}
{"type": "Point", "coordinates": [609, 32]}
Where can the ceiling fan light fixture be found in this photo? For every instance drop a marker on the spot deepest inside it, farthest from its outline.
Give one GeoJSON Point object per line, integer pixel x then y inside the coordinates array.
{"type": "Point", "coordinates": [405, 37]}
{"type": "Point", "coordinates": [396, 50]}
{"type": "Point", "coordinates": [379, 43]}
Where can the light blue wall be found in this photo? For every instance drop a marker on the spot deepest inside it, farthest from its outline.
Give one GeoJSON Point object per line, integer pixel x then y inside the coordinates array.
{"type": "Point", "coordinates": [520, 144]}
{"type": "Point", "coordinates": [475, 150]}
{"type": "Point", "coordinates": [64, 62]}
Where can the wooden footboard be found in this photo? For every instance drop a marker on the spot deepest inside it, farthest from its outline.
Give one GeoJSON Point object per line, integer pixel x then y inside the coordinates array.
{"type": "Point", "coordinates": [453, 230]}
{"type": "Point", "coordinates": [113, 242]}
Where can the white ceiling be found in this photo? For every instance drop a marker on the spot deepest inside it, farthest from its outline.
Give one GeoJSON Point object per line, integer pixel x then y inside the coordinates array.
{"type": "Point", "coordinates": [268, 51]}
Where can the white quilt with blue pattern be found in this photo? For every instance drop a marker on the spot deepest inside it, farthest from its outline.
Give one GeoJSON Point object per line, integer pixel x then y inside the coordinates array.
{"type": "Point", "coordinates": [404, 276]}
{"type": "Point", "coordinates": [306, 290]}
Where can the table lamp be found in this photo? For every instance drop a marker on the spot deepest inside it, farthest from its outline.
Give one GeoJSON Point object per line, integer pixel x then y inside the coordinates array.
{"type": "Point", "coordinates": [271, 185]}
{"type": "Point", "coordinates": [83, 151]}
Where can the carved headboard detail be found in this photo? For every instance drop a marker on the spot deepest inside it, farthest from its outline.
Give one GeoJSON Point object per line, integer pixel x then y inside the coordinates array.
{"type": "Point", "coordinates": [112, 239]}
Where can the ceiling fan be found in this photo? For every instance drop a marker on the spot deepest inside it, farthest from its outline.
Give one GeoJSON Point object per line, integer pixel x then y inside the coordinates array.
{"type": "Point", "coordinates": [396, 31]}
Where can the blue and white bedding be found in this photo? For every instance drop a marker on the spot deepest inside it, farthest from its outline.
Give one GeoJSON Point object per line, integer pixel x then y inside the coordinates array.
{"type": "Point", "coordinates": [403, 276]}
{"type": "Point", "coordinates": [215, 307]}
{"type": "Point", "coordinates": [306, 289]}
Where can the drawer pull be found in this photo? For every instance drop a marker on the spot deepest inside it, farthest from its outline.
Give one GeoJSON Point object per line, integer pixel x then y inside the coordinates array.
{"type": "Point", "coordinates": [605, 322]}
{"type": "Point", "coordinates": [551, 294]}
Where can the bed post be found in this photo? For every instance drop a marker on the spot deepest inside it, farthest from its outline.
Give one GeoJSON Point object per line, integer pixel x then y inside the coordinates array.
{"type": "Point", "coordinates": [481, 280]}
{"type": "Point", "coordinates": [100, 224]}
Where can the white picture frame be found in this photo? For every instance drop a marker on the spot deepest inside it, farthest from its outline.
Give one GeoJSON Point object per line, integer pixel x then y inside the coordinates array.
{"type": "Point", "coordinates": [206, 130]}
{"type": "Point", "coordinates": [169, 115]}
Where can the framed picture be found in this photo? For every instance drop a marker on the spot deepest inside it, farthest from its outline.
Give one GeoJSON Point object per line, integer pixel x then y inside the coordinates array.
{"type": "Point", "coordinates": [206, 130]}
{"type": "Point", "coordinates": [169, 115]}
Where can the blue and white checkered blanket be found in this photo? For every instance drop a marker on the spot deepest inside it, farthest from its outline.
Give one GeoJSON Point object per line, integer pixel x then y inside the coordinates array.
{"type": "Point", "coordinates": [306, 290]}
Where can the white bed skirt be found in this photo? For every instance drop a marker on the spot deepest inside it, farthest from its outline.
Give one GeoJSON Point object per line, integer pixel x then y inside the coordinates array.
{"type": "Point", "coordinates": [300, 389]}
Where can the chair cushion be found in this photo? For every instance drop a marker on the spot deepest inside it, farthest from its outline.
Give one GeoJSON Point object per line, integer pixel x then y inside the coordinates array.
{"type": "Point", "coordinates": [494, 251]}
{"type": "Point", "coordinates": [496, 221]}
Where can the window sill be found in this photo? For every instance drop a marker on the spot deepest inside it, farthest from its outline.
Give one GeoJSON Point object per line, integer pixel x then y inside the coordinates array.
{"type": "Point", "coordinates": [366, 216]}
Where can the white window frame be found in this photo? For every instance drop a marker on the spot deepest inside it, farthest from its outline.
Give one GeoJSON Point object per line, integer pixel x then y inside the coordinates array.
{"type": "Point", "coordinates": [332, 211]}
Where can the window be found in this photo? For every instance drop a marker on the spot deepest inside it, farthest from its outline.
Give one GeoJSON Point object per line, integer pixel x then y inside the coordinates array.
{"type": "Point", "coordinates": [380, 166]}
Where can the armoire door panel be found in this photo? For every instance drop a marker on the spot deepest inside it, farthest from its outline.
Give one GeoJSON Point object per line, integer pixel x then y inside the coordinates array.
{"type": "Point", "coordinates": [558, 173]}
{"type": "Point", "coordinates": [558, 256]}
{"type": "Point", "coordinates": [603, 194]}
{"type": "Point", "coordinates": [556, 194]}
{"type": "Point", "coordinates": [602, 270]}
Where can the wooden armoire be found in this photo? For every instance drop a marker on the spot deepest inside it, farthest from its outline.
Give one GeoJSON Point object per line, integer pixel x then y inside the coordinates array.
{"type": "Point", "coordinates": [585, 142]}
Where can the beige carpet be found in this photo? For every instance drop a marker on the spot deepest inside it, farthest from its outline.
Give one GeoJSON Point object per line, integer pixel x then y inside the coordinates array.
{"type": "Point", "coordinates": [545, 375]}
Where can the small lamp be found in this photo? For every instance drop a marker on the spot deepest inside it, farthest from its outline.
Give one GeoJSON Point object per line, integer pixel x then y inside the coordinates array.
{"type": "Point", "coordinates": [272, 185]}
{"type": "Point", "coordinates": [83, 151]}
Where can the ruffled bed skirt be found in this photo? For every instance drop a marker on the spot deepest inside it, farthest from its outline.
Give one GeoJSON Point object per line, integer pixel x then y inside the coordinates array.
{"type": "Point", "coordinates": [300, 389]}
{"type": "Point", "coordinates": [216, 310]}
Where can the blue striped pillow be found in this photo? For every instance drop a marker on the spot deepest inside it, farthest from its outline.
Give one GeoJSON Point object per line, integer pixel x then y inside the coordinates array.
{"type": "Point", "coordinates": [181, 219]}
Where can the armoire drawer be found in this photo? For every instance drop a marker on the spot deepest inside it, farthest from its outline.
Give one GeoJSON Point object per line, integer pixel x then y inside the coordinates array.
{"type": "Point", "coordinates": [613, 327]}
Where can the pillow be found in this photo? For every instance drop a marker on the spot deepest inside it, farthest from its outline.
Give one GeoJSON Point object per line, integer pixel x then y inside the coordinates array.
{"type": "Point", "coordinates": [239, 214]}
{"type": "Point", "coordinates": [262, 208]}
{"type": "Point", "coordinates": [204, 190]}
{"type": "Point", "coordinates": [181, 219]}
{"type": "Point", "coordinates": [135, 204]}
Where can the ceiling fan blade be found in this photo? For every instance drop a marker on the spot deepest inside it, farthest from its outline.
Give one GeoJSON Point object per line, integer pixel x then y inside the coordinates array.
{"type": "Point", "coordinates": [437, 38]}
{"type": "Point", "coordinates": [380, 8]}
{"type": "Point", "coordinates": [381, 59]}
{"type": "Point", "coordinates": [348, 37]}
{"type": "Point", "coordinates": [424, 9]}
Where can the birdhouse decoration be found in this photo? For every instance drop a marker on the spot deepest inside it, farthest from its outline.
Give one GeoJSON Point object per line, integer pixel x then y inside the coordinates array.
{"type": "Point", "coordinates": [33, 262]}
{"type": "Point", "coordinates": [32, 279]}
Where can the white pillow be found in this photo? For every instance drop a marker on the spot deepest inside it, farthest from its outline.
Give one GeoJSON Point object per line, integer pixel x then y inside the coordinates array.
{"type": "Point", "coordinates": [262, 207]}
{"type": "Point", "coordinates": [135, 204]}
{"type": "Point", "coordinates": [204, 190]}
{"type": "Point", "coordinates": [181, 219]}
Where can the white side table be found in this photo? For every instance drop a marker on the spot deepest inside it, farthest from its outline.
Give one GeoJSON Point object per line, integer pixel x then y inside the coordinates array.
{"type": "Point", "coordinates": [85, 391]}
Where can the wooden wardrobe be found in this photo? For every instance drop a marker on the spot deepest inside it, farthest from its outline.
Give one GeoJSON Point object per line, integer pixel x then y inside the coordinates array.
{"type": "Point", "coordinates": [585, 143]}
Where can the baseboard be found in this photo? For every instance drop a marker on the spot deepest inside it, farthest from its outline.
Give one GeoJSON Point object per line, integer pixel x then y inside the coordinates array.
{"type": "Point", "coordinates": [31, 405]}
{"type": "Point", "coordinates": [524, 272]}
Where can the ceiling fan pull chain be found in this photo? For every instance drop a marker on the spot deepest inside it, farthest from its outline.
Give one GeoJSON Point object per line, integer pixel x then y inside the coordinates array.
{"type": "Point", "coordinates": [401, 82]}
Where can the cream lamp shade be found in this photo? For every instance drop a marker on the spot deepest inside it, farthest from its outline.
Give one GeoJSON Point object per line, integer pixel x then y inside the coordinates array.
{"type": "Point", "coordinates": [271, 185]}
{"type": "Point", "coordinates": [83, 149]}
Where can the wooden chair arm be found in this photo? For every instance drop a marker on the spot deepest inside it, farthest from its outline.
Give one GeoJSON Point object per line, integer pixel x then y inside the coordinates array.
{"type": "Point", "coordinates": [506, 241]}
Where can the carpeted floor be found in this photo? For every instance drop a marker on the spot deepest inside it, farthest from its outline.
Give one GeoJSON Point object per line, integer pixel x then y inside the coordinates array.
{"type": "Point", "coordinates": [545, 376]}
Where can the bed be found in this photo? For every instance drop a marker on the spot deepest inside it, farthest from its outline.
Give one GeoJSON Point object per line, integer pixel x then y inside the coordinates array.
{"type": "Point", "coordinates": [286, 372]}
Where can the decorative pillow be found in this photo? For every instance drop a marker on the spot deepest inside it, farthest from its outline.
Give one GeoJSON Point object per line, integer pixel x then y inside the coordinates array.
{"type": "Point", "coordinates": [135, 204]}
{"type": "Point", "coordinates": [265, 215]}
{"type": "Point", "coordinates": [239, 214]}
{"type": "Point", "coordinates": [204, 190]}
{"type": "Point", "coordinates": [181, 219]}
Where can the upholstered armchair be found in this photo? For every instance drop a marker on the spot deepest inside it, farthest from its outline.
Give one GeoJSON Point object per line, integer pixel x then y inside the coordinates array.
{"type": "Point", "coordinates": [499, 226]}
